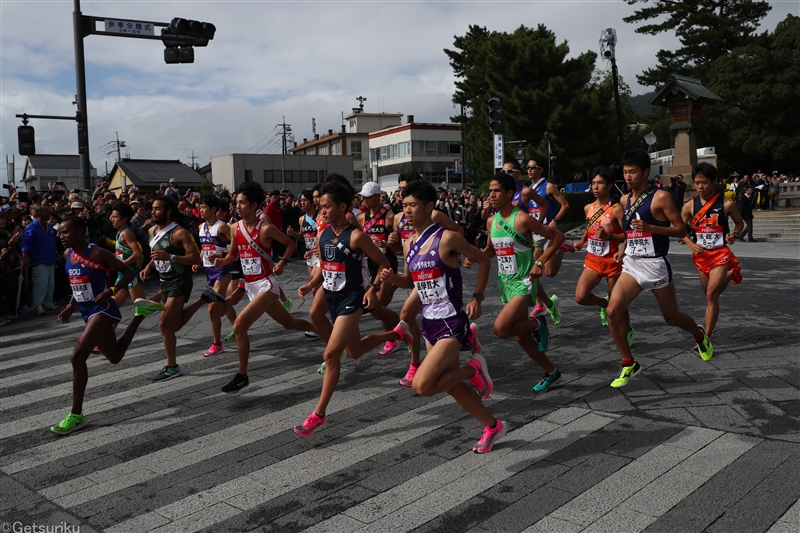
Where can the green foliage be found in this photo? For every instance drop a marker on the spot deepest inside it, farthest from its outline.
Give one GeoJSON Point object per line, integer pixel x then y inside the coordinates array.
{"type": "Point", "coordinates": [206, 187]}
{"type": "Point", "coordinates": [707, 29]}
{"type": "Point", "coordinates": [540, 90]}
{"type": "Point", "coordinates": [577, 201]}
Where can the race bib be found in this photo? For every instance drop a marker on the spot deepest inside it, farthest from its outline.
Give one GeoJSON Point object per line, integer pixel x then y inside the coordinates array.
{"type": "Point", "coordinates": [407, 234]}
{"type": "Point", "coordinates": [639, 244]}
{"type": "Point", "coordinates": [597, 247]}
{"type": "Point", "coordinates": [333, 276]}
{"type": "Point", "coordinates": [310, 239]}
{"type": "Point", "coordinates": [119, 255]}
{"type": "Point", "coordinates": [81, 288]}
{"type": "Point", "coordinates": [378, 240]}
{"type": "Point", "coordinates": [163, 266]}
{"type": "Point", "coordinates": [251, 266]}
{"type": "Point", "coordinates": [709, 237]}
{"type": "Point", "coordinates": [506, 258]}
{"type": "Point", "coordinates": [536, 212]}
{"type": "Point", "coordinates": [430, 286]}
{"type": "Point", "coordinates": [208, 250]}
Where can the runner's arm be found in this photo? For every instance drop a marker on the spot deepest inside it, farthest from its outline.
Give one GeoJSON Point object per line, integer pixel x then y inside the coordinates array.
{"type": "Point", "coordinates": [687, 212]}
{"type": "Point", "coordinates": [547, 231]}
{"type": "Point", "coordinates": [553, 191]}
{"type": "Point", "coordinates": [110, 261]}
{"type": "Point", "coordinates": [400, 280]}
{"type": "Point", "coordinates": [585, 237]}
{"type": "Point", "coordinates": [130, 242]}
{"type": "Point", "coordinates": [458, 244]}
{"type": "Point", "coordinates": [184, 239]}
{"type": "Point", "coordinates": [233, 251]}
{"type": "Point", "coordinates": [446, 222]}
{"type": "Point", "coordinates": [149, 266]}
{"type": "Point", "coordinates": [273, 232]}
{"type": "Point", "coordinates": [530, 195]}
{"type": "Point", "coordinates": [314, 280]}
{"type": "Point", "coordinates": [663, 202]}
{"type": "Point", "coordinates": [489, 250]}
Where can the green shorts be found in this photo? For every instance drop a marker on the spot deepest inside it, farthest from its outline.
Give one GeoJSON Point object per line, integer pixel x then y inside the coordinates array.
{"type": "Point", "coordinates": [177, 286]}
{"type": "Point", "coordinates": [510, 287]}
{"type": "Point", "coordinates": [135, 281]}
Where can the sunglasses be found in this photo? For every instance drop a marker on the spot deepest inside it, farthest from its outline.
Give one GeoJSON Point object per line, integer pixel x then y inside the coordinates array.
{"type": "Point", "coordinates": [534, 167]}
{"type": "Point", "coordinates": [509, 170]}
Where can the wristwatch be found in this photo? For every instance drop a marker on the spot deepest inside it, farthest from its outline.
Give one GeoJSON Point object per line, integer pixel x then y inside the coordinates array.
{"type": "Point", "coordinates": [555, 219]}
{"type": "Point", "coordinates": [376, 286]}
{"type": "Point", "coordinates": [538, 263]}
{"type": "Point", "coordinates": [478, 296]}
{"type": "Point", "coordinates": [284, 260]}
{"type": "Point", "coordinates": [172, 258]}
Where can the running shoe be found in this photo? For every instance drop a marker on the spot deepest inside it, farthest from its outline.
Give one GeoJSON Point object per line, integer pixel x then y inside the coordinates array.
{"type": "Point", "coordinates": [481, 378]}
{"type": "Point", "coordinates": [312, 334]}
{"type": "Point", "coordinates": [214, 350]}
{"type": "Point", "coordinates": [402, 330]}
{"type": "Point", "coordinates": [568, 247]}
{"type": "Point", "coordinates": [69, 424]}
{"type": "Point", "coordinates": [390, 347]}
{"type": "Point", "coordinates": [538, 310]}
{"type": "Point", "coordinates": [627, 373]}
{"type": "Point", "coordinates": [541, 335]}
{"type": "Point", "coordinates": [737, 276]}
{"type": "Point", "coordinates": [287, 305]}
{"type": "Point", "coordinates": [211, 296]}
{"type": "Point", "coordinates": [96, 349]}
{"type": "Point", "coordinates": [473, 339]}
{"type": "Point", "coordinates": [604, 313]}
{"type": "Point", "coordinates": [630, 337]}
{"type": "Point", "coordinates": [489, 437]}
{"type": "Point", "coordinates": [547, 380]}
{"type": "Point", "coordinates": [143, 307]}
{"type": "Point", "coordinates": [168, 372]}
{"type": "Point", "coordinates": [555, 314]}
{"type": "Point", "coordinates": [241, 285]}
{"type": "Point", "coordinates": [409, 377]}
{"type": "Point", "coordinates": [311, 424]}
{"type": "Point", "coordinates": [706, 350]}
{"type": "Point", "coordinates": [238, 382]}
{"type": "Point", "coordinates": [230, 336]}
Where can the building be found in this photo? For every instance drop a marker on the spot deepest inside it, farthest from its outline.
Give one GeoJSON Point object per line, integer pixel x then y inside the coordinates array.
{"type": "Point", "coordinates": [147, 175]}
{"type": "Point", "coordinates": [276, 171]}
{"type": "Point", "coordinates": [352, 140]}
{"type": "Point", "coordinates": [43, 169]}
{"type": "Point", "coordinates": [428, 149]}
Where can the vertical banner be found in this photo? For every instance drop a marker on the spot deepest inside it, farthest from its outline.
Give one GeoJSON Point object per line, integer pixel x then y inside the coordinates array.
{"type": "Point", "coordinates": [498, 151]}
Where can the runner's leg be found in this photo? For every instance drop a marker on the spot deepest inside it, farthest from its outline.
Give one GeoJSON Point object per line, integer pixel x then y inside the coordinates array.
{"type": "Point", "coordinates": [408, 314]}
{"type": "Point", "coordinates": [667, 302]}
{"type": "Point", "coordinates": [170, 322]}
{"type": "Point", "coordinates": [247, 317]}
{"type": "Point", "coordinates": [513, 321]}
{"type": "Point", "coordinates": [318, 312]}
{"type": "Point", "coordinates": [625, 291]}
{"type": "Point", "coordinates": [717, 282]}
{"type": "Point", "coordinates": [583, 291]}
{"type": "Point", "coordinates": [344, 328]}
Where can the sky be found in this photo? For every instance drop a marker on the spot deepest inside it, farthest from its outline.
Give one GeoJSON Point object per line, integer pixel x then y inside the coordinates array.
{"type": "Point", "coordinates": [269, 60]}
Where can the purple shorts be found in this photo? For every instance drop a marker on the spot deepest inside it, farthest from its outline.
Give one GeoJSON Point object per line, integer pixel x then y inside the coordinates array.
{"type": "Point", "coordinates": [443, 328]}
{"type": "Point", "coordinates": [214, 274]}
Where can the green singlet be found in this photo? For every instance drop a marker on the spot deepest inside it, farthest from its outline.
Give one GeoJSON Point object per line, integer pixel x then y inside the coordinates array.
{"type": "Point", "coordinates": [514, 259]}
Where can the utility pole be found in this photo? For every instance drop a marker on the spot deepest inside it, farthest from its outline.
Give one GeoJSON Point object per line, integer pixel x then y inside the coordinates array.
{"type": "Point", "coordinates": [286, 131]}
{"type": "Point", "coordinates": [193, 158]}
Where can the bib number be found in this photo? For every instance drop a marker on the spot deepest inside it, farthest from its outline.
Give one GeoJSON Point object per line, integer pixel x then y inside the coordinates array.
{"type": "Point", "coordinates": [598, 247]}
{"type": "Point", "coordinates": [333, 276]}
{"type": "Point", "coordinates": [430, 286]}
{"type": "Point", "coordinates": [639, 244]}
{"type": "Point", "coordinates": [506, 260]}
{"type": "Point", "coordinates": [536, 212]}
{"type": "Point", "coordinates": [710, 240]}
{"type": "Point", "coordinates": [251, 266]}
{"type": "Point", "coordinates": [207, 250]}
{"type": "Point", "coordinates": [163, 266]}
{"type": "Point", "coordinates": [81, 288]}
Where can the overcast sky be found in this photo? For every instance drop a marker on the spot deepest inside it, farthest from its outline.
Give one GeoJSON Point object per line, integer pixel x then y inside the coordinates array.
{"type": "Point", "coordinates": [301, 60]}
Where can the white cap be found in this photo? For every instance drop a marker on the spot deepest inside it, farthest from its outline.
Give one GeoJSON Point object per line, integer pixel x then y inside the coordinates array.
{"type": "Point", "coordinates": [370, 188]}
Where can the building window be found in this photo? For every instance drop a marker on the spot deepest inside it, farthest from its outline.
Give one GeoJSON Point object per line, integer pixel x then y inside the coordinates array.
{"type": "Point", "coordinates": [355, 150]}
{"type": "Point", "coordinates": [311, 151]}
{"type": "Point", "coordinates": [417, 148]}
{"type": "Point", "coordinates": [269, 176]}
{"type": "Point", "coordinates": [312, 176]}
{"type": "Point", "coordinates": [373, 154]}
{"type": "Point", "coordinates": [455, 148]}
{"type": "Point", "coordinates": [336, 148]}
{"type": "Point", "coordinates": [431, 149]}
{"type": "Point", "coordinates": [358, 178]}
{"type": "Point", "coordinates": [288, 176]}
{"type": "Point", "coordinates": [322, 149]}
{"type": "Point", "coordinates": [403, 149]}
{"type": "Point", "coordinates": [384, 153]}
{"type": "Point", "coordinates": [248, 175]}
{"type": "Point", "coordinates": [352, 125]}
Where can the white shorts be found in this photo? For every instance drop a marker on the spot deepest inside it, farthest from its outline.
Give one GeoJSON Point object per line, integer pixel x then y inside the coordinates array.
{"type": "Point", "coordinates": [268, 284]}
{"type": "Point", "coordinates": [312, 261]}
{"type": "Point", "coordinates": [649, 272]}
{"type": "Point", "coordinates": [540, 242]}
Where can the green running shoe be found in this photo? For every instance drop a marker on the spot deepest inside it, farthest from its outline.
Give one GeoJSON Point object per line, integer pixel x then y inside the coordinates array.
{"type": "Point", "coordinates": [705, 348]}
{"type": "Point", "coordinates": [287, 305]}
{"type": "Point", "coordinates": [146, 308]}
{"type": "Point", "coordinates": [321, 369]}
{"type": "Point", "coordinates": [630, 338]}
{"type": "Point", "coordinates": [604, 314]}
{"type": "Point", "coordinates": [627, 373]}
{"type": "Point", "coordinates": [555, 314]}
{"type": "Point", "coordinates": [69, 424]}
{"type": "Point", "coordinates": [230, 336]}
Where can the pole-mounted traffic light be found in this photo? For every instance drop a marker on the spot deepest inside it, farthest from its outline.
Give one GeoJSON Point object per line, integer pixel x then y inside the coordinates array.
{"type": "Point", "coordinates": [496, 123]}
{"type": "Point", "coordinates": [182, 35]}
{"type": "Point", "coordinates": [26, 139]}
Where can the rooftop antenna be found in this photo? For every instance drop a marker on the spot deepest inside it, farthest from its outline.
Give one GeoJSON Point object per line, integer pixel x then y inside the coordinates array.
{"type": "Point", "coordinates": [313, 126]}
{"type": "Point", "coordinates": [650, 139]}
{"type": "Point", "coordinates": [361, 101]}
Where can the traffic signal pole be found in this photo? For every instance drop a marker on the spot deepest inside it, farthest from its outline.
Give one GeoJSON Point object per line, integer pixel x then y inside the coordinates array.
{"type": "Point", "coordinates": [80, 88]}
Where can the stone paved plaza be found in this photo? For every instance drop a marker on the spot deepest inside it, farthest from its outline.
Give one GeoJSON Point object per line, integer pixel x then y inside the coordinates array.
{"type": "Point", "coordinates": [686, 446]}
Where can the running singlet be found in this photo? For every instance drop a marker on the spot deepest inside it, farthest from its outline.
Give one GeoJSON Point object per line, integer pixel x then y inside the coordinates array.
{"type": "Point", "coordinates": [341, 266]}
{"type": "Point", "coordinates": [88, 280]}
{"type": "Point", "coordinates": [309, 230]}
{"type": "Point", "coordinates": [514, 252]}
{"type": "Point", "coordinates": [438, 284]}
{"type": "Point", "coordinates": [123, 252]}
{"type": "Point", "coordinates": [712, 229]}
{"type": "Point", "coordinates": [375, 227]}
{"type": "Point", "coordinates": [162, 240]}
{"type": "Point", "coordinates": [641, 243]}
{"type": "Point", "coordinates": [518, 202]}
{"type": "Point", "coordinates": [321, 226]}
{"type": "Point", "coordinates": [552, 204]}
{"type": "Point", "coordinates": [211, 243]}
{"type": "Point", "coordinates": [597, 246]}
{"type": "Point", "coordinates": [405, 230]}
{"type": "Point", "coordinates": [254, 265]}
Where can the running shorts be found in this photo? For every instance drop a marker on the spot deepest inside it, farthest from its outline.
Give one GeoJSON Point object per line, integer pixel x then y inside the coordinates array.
{"type": "Point", "coordinates": [135, 281]}
{"type": "Point", "coordinates": [214, 274]}
{"type": "Point", "coordinates": [312, 261]}
{"type": "Point", "coordinates": [650, 273]}
{"type": "Point", "coordinates": [91, 309]}
{"type": "Point", "coordinates": [268, 284]}
{"type": "Point", "coordinates": [605, 266]}
{"type": "Point", "coordinates": [509, 288]}
{"type": "Point", "coordinates": [177, 286]}
{"type": "Point", "coordinates": [540, 242]}
{"type": "Point", "coordinates": [373, 266]}
{"type": "Point", "coordinates": [710, 259]}
{"type": "Point", "coordinates": [444, 328]}
{"type": "Point", "coordinates": [344, 302]}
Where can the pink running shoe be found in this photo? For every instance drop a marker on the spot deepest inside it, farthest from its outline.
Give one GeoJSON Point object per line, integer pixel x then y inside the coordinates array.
{"type": "Point", "coordinates": [390, 347]}
{"type": "Point", "coordinates": [473, 338]}
{"type": "Point", "coordinates": [568, 247]}
{"type": "Point", "coordinates": [481, 378]}
{"type": "Point", "coordinates": [214, 350]}
{"type": "Point", "coordinates": [489, 437]}
{"type": "Point", "coordinates": [240, 285]}
{"type": "Point", "coordinates": [539, 310]}
{"type": "Point", "coordinates": [312, 424]}
{"type": "Point", "coordinates": [402, 329]}
{"type": "Point", "coordinates": [409, 377]}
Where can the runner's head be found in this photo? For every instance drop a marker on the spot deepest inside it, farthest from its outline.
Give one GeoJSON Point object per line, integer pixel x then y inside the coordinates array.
{"type": "Point", "coordinates": [338, 178]}
{"type": "Point", "coordinates": [635, 168]}
{"type": "Point", "coordinates": [165, 210]}
{"type": "Point", "coordinates": [307, 203]}
{"type": "Point", "coordinates": [535, 167]}
{"type": "Point", "coordinates": [405, 178]}
{"type": "Point", "coordinates": [72, 231]}
{"type": "Point", "coordinates": [209, 206]}
{"type": "Point", "coordinates": [249, 197]}
{"type": "Point", "coordinates": [602, 182]}
{"type": "Point", "coordinates": [511, 167]}
{"type": "Point", "coordinates": [419, 199]}
{"type": "Point", "coordinates": [335, 202]}
{"type": "Point", "coordinates": [704, 176]}
{"type": "Point", "coordinates": [501, 190]}
{"type": "Point", "coordinates": [121, 215]}
{"type": "Point", "coordinates": [317, 194]}
{"type": "Point", "coordinates": [371, 193]}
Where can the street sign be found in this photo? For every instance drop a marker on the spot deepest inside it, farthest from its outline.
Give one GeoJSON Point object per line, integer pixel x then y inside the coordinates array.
{"type": "Point", "coordinates": [456, 166]}
{"type": "Point", "coordinates": [137, 27]}
{"type": "Point", "coordinates": [498, 150]}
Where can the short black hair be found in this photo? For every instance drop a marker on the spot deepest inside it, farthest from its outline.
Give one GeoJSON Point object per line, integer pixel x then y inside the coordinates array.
{"type": "Point", "coordinates": [421, 190]}
{"type": "Point", "coordinates": [608, 174]}
{"type": "Point", "coordinates": [78, 223]}
{"type": "Point", "coordinates": [408, 177]}
{"type": "Point", "coordinates": [338, 192]}
{"type": "Point", "coordinates": [706, 169]}
{"type": "Point", "coordinates": [252, 191]}
{"type": "Point", "coordinates": [212, 201]}
{"type": "Point", "coordinates": [124, 210]}
{"type": "Point", "coordinates": [640, 158]}
{"type": "Point", "coordinates": [506, 182]}
{"type": "Point", "coordinates": [512, 162]}
{"type": "Point", "coordinates": [338, 178]}
{"type": "Point", "coordinates": [541, 161]}
{"type": "Point", "coordinates": [308, 194]}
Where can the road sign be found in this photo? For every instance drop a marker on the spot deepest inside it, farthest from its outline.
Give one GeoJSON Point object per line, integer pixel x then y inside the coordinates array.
{"type": "Point", "coordinates": [137, 27]}
{"type": "Point", "coordinates": [498, 150]}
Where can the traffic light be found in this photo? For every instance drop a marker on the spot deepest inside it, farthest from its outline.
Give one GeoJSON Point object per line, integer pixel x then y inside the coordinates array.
{"type": "Point", "coordinates": [181, 35]}
{"type": "Point", "coordinates": [26, 139]}
{"type": "Point", "coordinates": [520, 155]}
{"type": "Point", "coordinates": [496, 123]}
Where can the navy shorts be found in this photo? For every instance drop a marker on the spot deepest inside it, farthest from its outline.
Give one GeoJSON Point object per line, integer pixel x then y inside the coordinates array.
{"type": "Point", "coordinates": [344, 302]}
{"type": "Point", "coordinates": [90, 309]}
{"type": "Point", "coordinates": [443, 328]}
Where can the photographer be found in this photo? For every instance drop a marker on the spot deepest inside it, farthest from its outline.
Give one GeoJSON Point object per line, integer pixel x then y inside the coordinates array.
{"type": "Point", "coordinates": [677, 189]}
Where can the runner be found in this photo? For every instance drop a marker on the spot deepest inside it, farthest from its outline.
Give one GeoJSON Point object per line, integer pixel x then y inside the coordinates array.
{"type": "Point", "coordinates": [649, 220]}
{"type": "Point", "coordinates": [89, 268]}
{"type": "Point", "coordinates": [548, 212]}
{"type": "Point", "coordinates": [173, 252]}
{"type": "Point", "coordinates": [432, 270]}
{"type": "Point", "coordinates": [603, 218]}
{"type": "Point", "coordinates": [707, 215]}
{"type": "Point", "coordinates": [511, 234]}
{"type": "Point", "coordinates": [215, 238]}
{"type": "Point", "coordinates": [127, 250]}
{"type": "Point", "coordinates": [254, 239]}
{"type": "Point", "coordinates": [308, 230]}
{"type": "Point", "coordinates": [396, 240]}
{"type": "Point", "coordinates": [342, 246]}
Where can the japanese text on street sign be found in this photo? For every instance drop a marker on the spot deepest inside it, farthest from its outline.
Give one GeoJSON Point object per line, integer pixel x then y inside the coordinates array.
{"type": "Point", "coordinates": [498, 150]}
{"type": "Point", "coordinates": [137, 27]}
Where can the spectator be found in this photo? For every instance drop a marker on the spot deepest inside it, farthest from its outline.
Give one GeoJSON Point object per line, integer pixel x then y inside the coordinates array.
{"type": "Point", "coordinates": [774, 189]}
{"type": "Point", "coordinates": [39, 252]}
{"type": "Point", "coordinates": [746, 210]}
{"type": "Point", "coordinates": [677, 189]}
{"type": "Point", "coordinates": [172, 190]}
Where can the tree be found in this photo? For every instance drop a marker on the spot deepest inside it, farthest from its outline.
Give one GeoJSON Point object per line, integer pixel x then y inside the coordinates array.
{"type": "Point", "coordinates": [707, 29]}
{"type": "Point", "coordinates": [541, 90]}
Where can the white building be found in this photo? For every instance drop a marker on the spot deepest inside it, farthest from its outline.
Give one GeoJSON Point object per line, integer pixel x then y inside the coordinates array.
{"type": "Point", "coordinates": [661, 161]}
{"type": "Point", "coordinates": [45, 168]}
{"type": "Point", "coordinates": [276, 171]}
{"type": "Point", "coordinates": [432, 150]}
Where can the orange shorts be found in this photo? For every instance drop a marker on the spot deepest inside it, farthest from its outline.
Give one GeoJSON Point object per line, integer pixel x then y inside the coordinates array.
{"type": "Point", "coordinates": [710, 259]}
{"type": "Point", "coordinates": [605, 266]}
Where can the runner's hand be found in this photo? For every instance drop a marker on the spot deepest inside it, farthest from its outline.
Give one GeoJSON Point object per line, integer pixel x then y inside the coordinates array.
{"type": "Point", "coordinates": [144, 274]}
{"type": "Point", "coordinates": [370, 299]}
{"type": "Point", "coordinates": [159, 255]}
{"type": "Point", "coordinates": [303, 290]}
{"type": "Point", "coordinates": [64, 315]}
{"type": "Point", "coordinates": [386, 275]}
{"type": "Point", "coordinates": [696, 248]}
{"type": "Point", "coordinates": [290, 231]}
{"type": "Point", "coordinates": [619, 255]}
{"type": "Point", "coordinates": [309, 254]}
{"type": "Point", "coordinates": [467, 263]}
{"type": "Point", "coordinates": [578, 245]}
{"type": "Point", "coordinates": [392, 239]}
{"type": "Point", "coordinates": [277, 268]}
{"type": "Point", "coordinates": [536, 272]}
{"type": "Point", "coordinates": [730, 238]}
{"type": "Point", "coordinates": [473, 309]}
{"type": "Point", "coordinates": [103, 297]}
